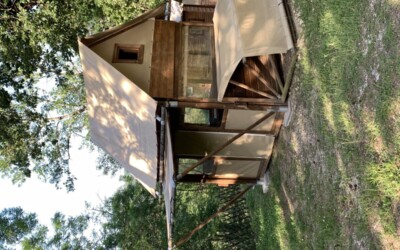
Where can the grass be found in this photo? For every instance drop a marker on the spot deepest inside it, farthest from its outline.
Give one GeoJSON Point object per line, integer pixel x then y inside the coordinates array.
{"type": "Point", "coordinates": [336, 168]}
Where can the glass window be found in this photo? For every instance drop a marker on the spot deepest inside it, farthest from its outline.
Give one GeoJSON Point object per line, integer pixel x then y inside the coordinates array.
{"type": "Point", "coordinates": [196, 116]}
{"type": "Point", "coordinates": [197, 69]}
{"type": "Point", "coordinates": [207, 168]}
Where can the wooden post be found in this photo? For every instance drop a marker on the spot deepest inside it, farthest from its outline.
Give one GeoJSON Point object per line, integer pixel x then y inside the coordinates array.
{"type": "Point", "coordinates": [275, 68]}
{"type": "Point", "coordinates": [244, 86]}
{"type": "Point", "coordinates": [221, 210]}
{"type": "Point", "coordinates": [289, 76]}
{"type": "Point", "coordinates": [186, 171]}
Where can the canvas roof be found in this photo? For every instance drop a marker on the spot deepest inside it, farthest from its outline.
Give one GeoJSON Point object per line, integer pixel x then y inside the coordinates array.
{"type": "Point", "coordinates": [122, 118]}
{"type": "Point", "coordinates": [247, 28]}
{"type": "Point", "coordinates": [102, 36]}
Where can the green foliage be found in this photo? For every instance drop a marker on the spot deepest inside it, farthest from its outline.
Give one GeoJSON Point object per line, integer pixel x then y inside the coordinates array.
{"type": "Point", "coordinates": [194, 203]}
{"type": "Point", "coordinates": [134, 220]}
{"type": "Point", "coordinates": [39, 42]}
{"type": "Point", "coordinates": [14, 225]}
{"type": "Point", "coordinates": [69, 233]}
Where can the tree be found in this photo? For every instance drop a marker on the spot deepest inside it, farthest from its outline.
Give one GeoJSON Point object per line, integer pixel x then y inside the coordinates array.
{"type": "Point", "coordinates": [133, 220]}
{"type": "Point", "coordinates": [15, 224]}
{"type": "Point", "coordinates": [39, 41]}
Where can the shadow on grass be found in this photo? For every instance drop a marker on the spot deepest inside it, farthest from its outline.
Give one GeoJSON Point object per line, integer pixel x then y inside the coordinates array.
{"type": "Point", "coordinates": [336, 179]}
{"type": "Point", "coordinates": [271, 223]}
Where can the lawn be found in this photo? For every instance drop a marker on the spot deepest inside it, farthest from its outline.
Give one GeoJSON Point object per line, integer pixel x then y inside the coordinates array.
{"type": "Point", "coordinates": [336, 167]}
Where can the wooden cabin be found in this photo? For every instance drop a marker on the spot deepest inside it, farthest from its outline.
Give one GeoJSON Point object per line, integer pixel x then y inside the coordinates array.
{"type": "Point", "coordinates": [199, 98]}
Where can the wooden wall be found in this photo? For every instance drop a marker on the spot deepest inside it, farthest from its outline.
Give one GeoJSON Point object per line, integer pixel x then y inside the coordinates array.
{"type": "Point", "coordinates": [192, 13]}
{"type": "Point", "coordinates": [163, 59]}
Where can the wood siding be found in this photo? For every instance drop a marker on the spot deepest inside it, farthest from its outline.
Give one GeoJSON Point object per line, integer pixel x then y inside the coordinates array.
{"type": "Point", "coordinates": [163, 60]}
{"type": "Point", "coordinates": [192, 13]}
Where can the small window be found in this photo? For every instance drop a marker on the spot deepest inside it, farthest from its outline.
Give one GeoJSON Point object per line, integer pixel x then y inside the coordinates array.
{"type": "Point", "coordinates": [207, 168]}
{"type": "Point", "coordinates": [202, 117]}
{"type": "Point", "coordinates": [128, 53]}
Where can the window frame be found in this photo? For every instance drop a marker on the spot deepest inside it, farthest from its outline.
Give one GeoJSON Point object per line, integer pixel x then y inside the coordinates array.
{"type": "Point", "coordinates": [133, 48]}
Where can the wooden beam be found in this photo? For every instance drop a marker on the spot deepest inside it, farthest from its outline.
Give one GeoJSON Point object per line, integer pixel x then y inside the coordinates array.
{"type": "Point", "coordinates": [200, 24]}
{"type": "Point", "coordinates": [220, 148]}
{"type": "Point", "coordinates": [221, 210]}
{"type": "Point", "coordinates": [289, 76]}
{"type": "Point", "coordinates": [261, 78]}
{"type": "Point", "coordinates": [224, 118]}
{"type": "Point", "coordinates": [200, 178]}
{"type": "Point", "coordinates": [275, 68]}
{"type": "Point", "coordinates": [253, 100]}
{"type": "Point", "coordinates": [277, 123]}
{"type": "Point", "coordinates": [194, 127]}
{"type": "Point", "coordinates": [244, 86]}
{"type": "Point", "coordinates": [228, 105]}
{"type": "Point", "coordinates": [230, 101]}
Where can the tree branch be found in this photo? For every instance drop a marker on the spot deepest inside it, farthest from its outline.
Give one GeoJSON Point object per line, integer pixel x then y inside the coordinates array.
{"type": "Point", "coordinates": [62, 117]}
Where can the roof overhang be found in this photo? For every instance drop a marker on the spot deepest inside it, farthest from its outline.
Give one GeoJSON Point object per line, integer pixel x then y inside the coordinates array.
{"type": "Point", "coordinates": [245, 28]}
{"type": "Point", "coordinates": [122, 118]}
{"type": "Point", "coordinates": [102, 36]}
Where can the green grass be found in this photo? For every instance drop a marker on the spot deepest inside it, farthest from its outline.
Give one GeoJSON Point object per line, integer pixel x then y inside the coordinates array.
{"type": "Point", "coordinates": [336, 168]}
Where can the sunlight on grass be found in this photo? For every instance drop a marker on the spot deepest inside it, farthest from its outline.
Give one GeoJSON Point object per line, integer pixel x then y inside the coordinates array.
{"type": "Point", "coordinates": [340, 166]}
{"type": "Point", "coordinates": [328, 112]}
{"type": "Point", "coordinates": [395, 2]}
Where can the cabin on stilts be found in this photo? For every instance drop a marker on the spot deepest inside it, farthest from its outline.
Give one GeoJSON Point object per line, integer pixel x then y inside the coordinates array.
{"type": "Point", "coordinates": [190, 91]}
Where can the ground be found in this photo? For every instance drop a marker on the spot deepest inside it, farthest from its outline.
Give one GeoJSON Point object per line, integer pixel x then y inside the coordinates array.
{"type": "Point", "coordinates": [336, 167]}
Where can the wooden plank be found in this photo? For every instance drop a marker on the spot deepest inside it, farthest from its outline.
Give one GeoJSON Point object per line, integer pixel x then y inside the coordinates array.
{"type": "Point", "coordinates": [275, 69]}
{"type": "Point", "coordinates": [178, 58]}
{"type": "Point", "coordinates": [261, 78]}
{"type": "Point", "coordinates": [244, 86]}
{"type": "Point", "coordinates": [198, 13]}
{"type": "Point", "coordinates": [289, 76]}
{"type": "Point", "coordinates": [163, 60]}
{"type": "Point", "coordinates": [277, 123]}
{"type": "Point", "coordinates": [263, 167]}
{"type": "Point", "coordinates": [224, 118]}
{"type": "Point", "coordinates": [221, 105]}
{"type": "Point", "coordinates": [193, 127]}
{"type": "Point", "coordinates": [220, 148]}
{"type": "Point", "coordinates": [223, 157]}
{"type": "Point", "coordinates": [200, 178]}
{"type": "Point", "coordinates": [221, 210]}
{"type": "Point", "coordinates": [253, 100]}
{"type": "Point", "coordinates": [201, 24]}
{"type": "Point", "coordinates": [263, 63]}
{"type": "Point", "coordinates": [235, 101]}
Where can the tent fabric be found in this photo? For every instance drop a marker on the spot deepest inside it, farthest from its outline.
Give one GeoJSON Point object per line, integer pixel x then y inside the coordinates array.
{"type": "Point", "coordinates": [107, 34]}
{"type": "Point", "coordinates": [244, 28]}
{"type": "Point", "coordinates": [122, 118]}
{"type": "Point", "coordinates": [169, 184]}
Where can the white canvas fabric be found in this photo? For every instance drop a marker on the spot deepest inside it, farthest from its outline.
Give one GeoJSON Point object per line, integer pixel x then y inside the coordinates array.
{"type": "Point", "coordinates": [122, 118]}
{"type": "Point", "coordinates": [169, 183]}
{"type": "Point", "coordinates": [245, 28]}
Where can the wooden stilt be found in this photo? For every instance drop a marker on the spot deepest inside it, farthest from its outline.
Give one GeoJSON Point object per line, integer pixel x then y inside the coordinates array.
{"type": "Point", "coordinates": [289, 76]}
